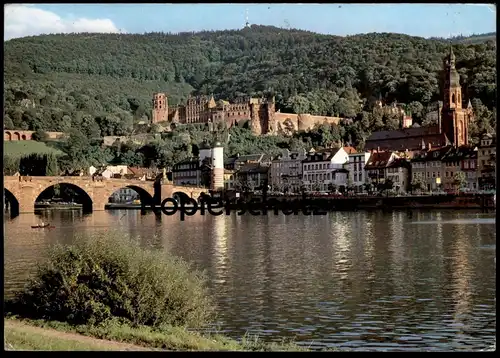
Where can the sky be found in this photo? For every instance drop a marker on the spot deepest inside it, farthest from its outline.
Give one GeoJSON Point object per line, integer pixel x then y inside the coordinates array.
{"type": "Point", "coordinates": [431, 20]}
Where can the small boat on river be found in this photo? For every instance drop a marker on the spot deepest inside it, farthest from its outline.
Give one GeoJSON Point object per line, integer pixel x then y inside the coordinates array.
{"type": "Point", "coordinates": [43, 226]}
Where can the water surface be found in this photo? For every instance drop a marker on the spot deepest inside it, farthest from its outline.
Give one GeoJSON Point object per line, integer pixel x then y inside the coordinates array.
{"type": "Point", "coordinates": [363, 280]}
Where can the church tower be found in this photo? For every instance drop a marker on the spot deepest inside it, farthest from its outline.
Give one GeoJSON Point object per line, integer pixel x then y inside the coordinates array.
{"type": "Point", "coordinates": [454, 119]}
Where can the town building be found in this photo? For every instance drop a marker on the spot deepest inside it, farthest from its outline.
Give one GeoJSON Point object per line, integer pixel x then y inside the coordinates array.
{"type": "Point", "coordinates": [139, 173]}
{"type": "Point", "coordinates": [252, 176]}
{"type": "Point", "coordinates": [187, 172]}
{"type": "Point", "coordinates": [124, 196]}
{"type": "Point", "coordinates": [286, 171]}
{"type": "Point", "coordinates": [460, 160]}
{"type": "Point", "coordinates": [324, 170]}
{"type": "Point", "coordinates": [356, 167]}
{"type": "Point", "coordinates": [259, 113]}
{"type": "Point", "coordinates": [452, 122]}
{"type": "Point", "coordinates": [468, 165]}
{"type": "Point", "coordinates": [451, 168]}
{"type": "Point", "coordinates": [398, 172]}
{"type": "Point", "coordinates": [429, 168]}
{"type": "Point", "coordinates": [238, 161]}
{"type": "Point", "coordinates": [123, 171]}
{"type": "Point", "coordinates": [486, 162]}
{"type": "Point", "coordinates": [376, 169]}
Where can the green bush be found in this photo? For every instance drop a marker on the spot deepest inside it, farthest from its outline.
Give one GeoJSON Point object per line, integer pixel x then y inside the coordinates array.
{"type": "Point", "coordinates": [40, 136]}
{"type": "Point", "coordinates": [108, 277]}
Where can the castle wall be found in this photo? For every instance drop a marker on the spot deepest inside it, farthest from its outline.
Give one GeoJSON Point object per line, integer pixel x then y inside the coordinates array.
{"type": "Point", "coordinates": [302, 122]}
{"type": "Point", "coordinates": [15, 135]}
{"type": "Point", "coordinates": [307, 121]}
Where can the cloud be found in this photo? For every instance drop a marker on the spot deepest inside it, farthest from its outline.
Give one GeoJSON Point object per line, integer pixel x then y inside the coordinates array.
{"type": "Point", "coordinates": [27, 20]}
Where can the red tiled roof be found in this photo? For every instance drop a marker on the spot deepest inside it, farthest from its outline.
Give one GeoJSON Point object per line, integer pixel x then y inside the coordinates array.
{"type": "Point", "coordinates": [378, 160]}
{"type": "Point", "coordinates": [350, 150]}
{"type": "Point", "coordinates": [407, 138]}
{"type": "Point", "coordinates": [398, 163]}
{"type": "Point", "coordinates": [139, 172]}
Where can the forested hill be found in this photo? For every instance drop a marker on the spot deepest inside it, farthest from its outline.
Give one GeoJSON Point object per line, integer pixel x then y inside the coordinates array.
{"type": "Point", "coordinates": [56, 81]}
{"type": "Point", "coordinates": [490, 36]}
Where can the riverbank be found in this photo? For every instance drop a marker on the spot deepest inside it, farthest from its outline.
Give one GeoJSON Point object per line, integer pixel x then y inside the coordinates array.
{"type": "Point", "coordinates": [25, 334]}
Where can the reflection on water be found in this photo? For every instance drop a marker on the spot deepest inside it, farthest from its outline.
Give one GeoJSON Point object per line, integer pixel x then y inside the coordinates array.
{"type": "Point", "coordinates": [365, 280]}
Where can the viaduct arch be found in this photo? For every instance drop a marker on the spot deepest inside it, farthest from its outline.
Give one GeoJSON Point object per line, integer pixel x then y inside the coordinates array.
{"type": "Point", "coordinates": [22, 192]}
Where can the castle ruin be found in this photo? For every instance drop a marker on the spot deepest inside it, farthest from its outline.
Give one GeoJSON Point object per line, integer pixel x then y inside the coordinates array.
{"type": "Point", "coordinates": [260, 113]}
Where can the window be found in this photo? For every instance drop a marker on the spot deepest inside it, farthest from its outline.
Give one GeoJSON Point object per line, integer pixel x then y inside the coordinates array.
{"type": "Point", "coordinates": [428, 175]}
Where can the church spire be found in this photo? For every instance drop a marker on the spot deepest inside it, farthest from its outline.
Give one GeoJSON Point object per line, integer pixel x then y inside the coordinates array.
{"type": "Point", "coordinates": [452, 57]}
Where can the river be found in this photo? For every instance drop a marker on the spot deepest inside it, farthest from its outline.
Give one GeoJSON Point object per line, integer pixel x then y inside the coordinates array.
{"type": "Point", "coordinates": [358, 280]}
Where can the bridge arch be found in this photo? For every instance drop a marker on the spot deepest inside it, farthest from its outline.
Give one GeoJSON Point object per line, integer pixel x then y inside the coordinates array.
{"type": "Point", "coordinates": [11, 203]}
{"type": "Point", "coordinates": [7, 136]}
{"type": "Point", "coordinates": [144, 196]}
{"type": "Point", "coordinates": [82, 196]}
{"type": "Point", "coordinates": [17, 136]}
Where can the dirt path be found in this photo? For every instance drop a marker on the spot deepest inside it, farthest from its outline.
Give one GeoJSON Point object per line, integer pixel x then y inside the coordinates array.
{"type": "Point", "coordinates": [52, 333]}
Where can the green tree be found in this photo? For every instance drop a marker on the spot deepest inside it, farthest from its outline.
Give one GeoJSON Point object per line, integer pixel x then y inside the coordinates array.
{"type": "Point", "coordinates": [459, 180]}
{"type": "Point", "coordinates": [40, 136]}
{"type": "Point", "coordinates": [8, 123]}
{"type": "Point", "coordinates": [417, 184]}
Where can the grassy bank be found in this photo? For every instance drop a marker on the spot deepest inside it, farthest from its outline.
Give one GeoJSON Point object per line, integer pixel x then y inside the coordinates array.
{"type": "Point", "coordinates": [116, 292]}
{"type": "Point", "coordinates": [25, 334]}
{"type": "Point", "coordinates": [20, 148]}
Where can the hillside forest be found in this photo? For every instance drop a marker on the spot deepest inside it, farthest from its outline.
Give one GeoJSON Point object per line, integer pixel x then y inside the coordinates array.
{"type": "Point", "coordinates": [95, 85]}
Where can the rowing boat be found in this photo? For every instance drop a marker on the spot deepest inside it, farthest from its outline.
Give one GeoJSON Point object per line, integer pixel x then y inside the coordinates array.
{"type": "Point", "coordinates": [40, 226]}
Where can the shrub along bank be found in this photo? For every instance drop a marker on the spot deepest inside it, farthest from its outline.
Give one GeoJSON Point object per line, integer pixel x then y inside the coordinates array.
{"type": "Point", "coordinates": [109, 287]}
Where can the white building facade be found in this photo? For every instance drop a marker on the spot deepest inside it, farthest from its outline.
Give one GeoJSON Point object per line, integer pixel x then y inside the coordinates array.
{"type": "Point", "coordinates": [325, 168]}
{"type": "Point", "coordinates": [356, 167]}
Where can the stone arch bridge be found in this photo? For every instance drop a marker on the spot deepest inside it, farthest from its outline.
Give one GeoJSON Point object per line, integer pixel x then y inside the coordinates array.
{"type": "Point", "coordinates": [23, 191]}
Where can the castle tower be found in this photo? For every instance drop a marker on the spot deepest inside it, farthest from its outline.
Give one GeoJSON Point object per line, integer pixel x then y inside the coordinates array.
{"type": "Point", "coordinates": [271, 121]}
{"type": "Point", "coordinates": [454, 120]}
{"type": "Point", "coordinates": [255, 124]}
{"type": "Point", "coordinates": [160, 108]}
